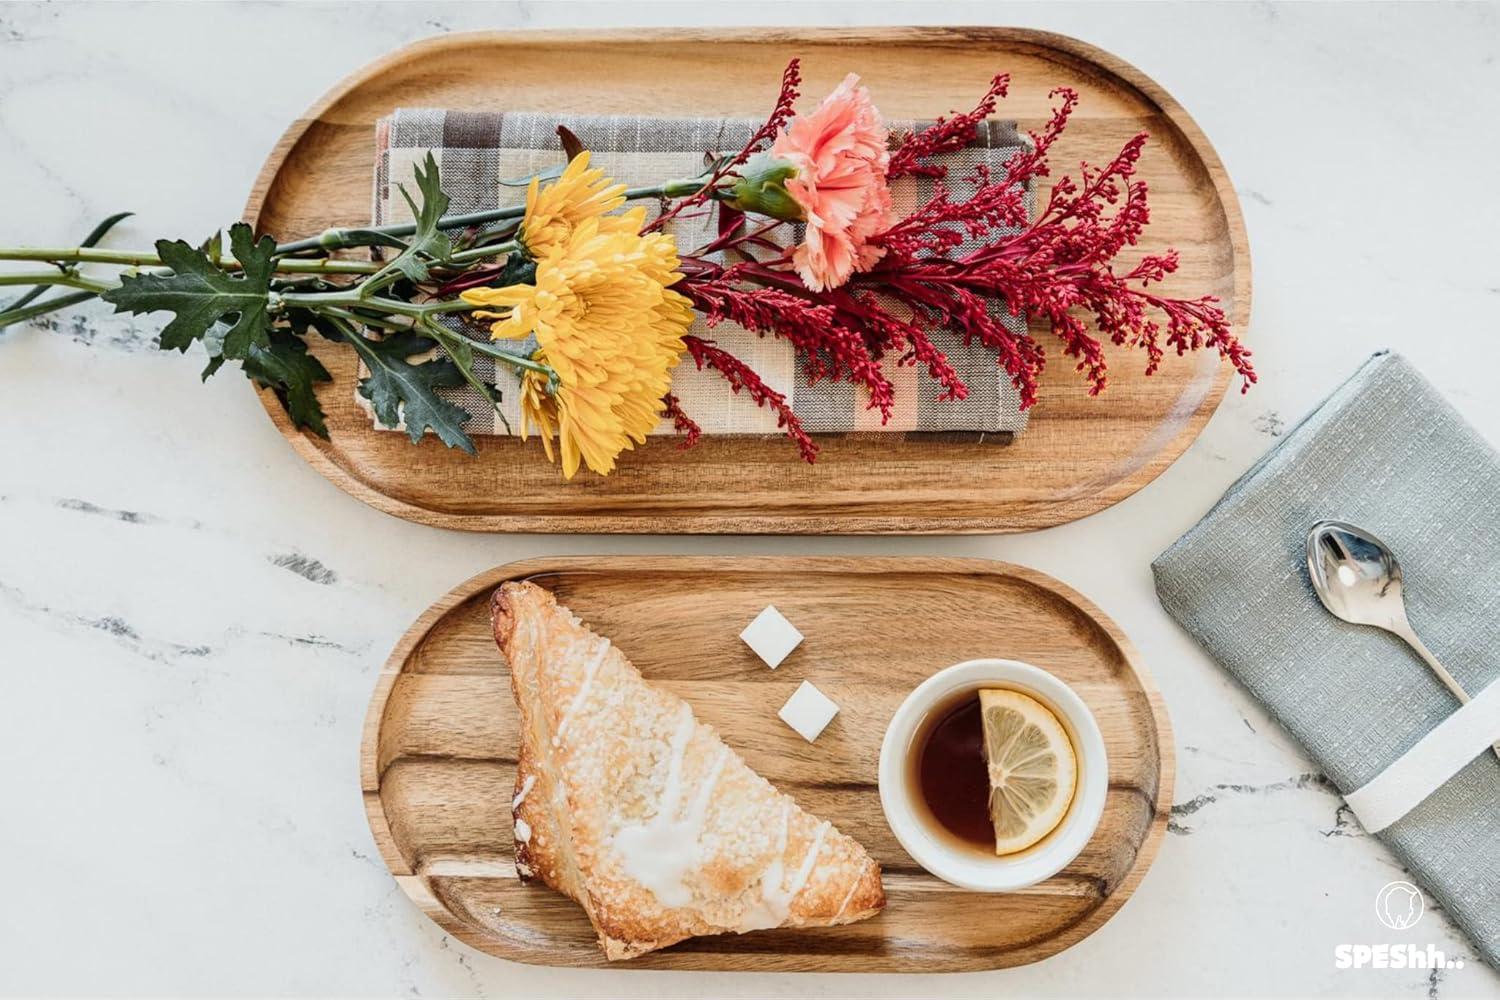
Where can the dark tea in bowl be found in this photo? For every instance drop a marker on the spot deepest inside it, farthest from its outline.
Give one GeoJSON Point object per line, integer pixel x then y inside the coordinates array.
{"type": "Point", "coordinates": [993, 775]}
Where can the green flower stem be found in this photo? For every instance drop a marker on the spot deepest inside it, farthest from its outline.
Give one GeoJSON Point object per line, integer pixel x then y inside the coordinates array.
{"type": "Point", "coordinates": [321, 266]}
{"type": "Point", "coordinates": [132, 258]}
{"type": "Point", "coordinates": [425, 325]}
{"type": "Point", "coordinates": [14, 316]}
{"type": "Point", "coordinates": [682, 188]}
{"type": "Point", "coordinates": [338, 239]}
{"type": "Point", "coordinates": [66, 279]}
{"type": "Point", "coordinates": [517, 361]}
{"type": "Point", "coordinates": [352, 299]}
{"type": "Point", "coordinates": [483, 253]}
{"type": "Point", "coordinates": [370, 286]}
{"type": "Point", "coordinates": [448, 306]}
{"type": "Point", "coordinates": [384, 322]}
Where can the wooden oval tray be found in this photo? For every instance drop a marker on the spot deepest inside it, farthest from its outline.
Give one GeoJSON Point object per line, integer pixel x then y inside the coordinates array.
{"type": "Point", "coordinates": [1079, 455]}
{"type": "Point", "coordinates": [439, 749]}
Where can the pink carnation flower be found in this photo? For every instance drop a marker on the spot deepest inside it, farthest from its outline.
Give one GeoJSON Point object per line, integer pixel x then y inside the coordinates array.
{"type": "Point", "coordinates": [840, 154]}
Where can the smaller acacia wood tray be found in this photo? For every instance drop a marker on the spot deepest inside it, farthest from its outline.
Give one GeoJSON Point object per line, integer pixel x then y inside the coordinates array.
{"type": "Point", "coordinates": [439, 748]}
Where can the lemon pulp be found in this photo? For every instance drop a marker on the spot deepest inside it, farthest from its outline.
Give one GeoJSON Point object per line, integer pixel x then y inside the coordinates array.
{"type": "Point", "coordinates": [1033, 770]}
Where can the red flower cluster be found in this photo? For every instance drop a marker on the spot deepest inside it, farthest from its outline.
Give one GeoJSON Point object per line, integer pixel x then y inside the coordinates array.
{"type": "Point", "coordinates": [945, 135]}
{"type": "Point", "coordinates": [740, 376]}
{"type": "Point", "coordinates": [958, 263]}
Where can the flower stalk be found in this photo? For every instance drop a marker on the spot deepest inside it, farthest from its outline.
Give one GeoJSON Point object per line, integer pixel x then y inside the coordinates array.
{"type": "Point", "coordinates": [65, 278]}
{"type": "Point", "coordinates": [343, 239]}
{"type": "Point", "coordinates": [141, 258]}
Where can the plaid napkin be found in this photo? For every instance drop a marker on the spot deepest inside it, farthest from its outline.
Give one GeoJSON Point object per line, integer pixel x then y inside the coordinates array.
{"type": "Point", "coordinates": [476, 151]}
{"type": "Point", "coordinates": [1385, 452]}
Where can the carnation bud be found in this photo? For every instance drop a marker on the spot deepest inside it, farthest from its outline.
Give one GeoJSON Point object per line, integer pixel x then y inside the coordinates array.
{"type": "Point", "coordinates": [761, 188]}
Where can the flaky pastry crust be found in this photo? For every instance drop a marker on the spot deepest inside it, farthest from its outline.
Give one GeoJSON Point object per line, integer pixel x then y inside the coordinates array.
{"type": "Point", "coordinates": [640, 813]}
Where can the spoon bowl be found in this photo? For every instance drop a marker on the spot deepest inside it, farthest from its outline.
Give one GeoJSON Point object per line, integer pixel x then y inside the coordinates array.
{"type": "Point", "coordinates": [1358, 579]}
{"type": "Point", "coordinates": [1355, 575]}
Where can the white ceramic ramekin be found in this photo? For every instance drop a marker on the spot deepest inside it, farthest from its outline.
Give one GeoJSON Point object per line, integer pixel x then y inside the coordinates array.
{"type": "Point", "coordinates": [968, 869]}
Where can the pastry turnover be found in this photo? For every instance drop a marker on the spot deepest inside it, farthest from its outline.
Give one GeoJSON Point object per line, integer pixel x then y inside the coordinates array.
{"type": "Point", "coordinates": [628, 804]}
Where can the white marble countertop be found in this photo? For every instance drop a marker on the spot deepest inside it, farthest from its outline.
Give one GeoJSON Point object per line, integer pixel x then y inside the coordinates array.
{"type": "Point", "coordinates": [191, 618]}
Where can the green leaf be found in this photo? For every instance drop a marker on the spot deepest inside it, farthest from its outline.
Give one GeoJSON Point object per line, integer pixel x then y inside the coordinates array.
{"type": "Point", "coordinates": [213, 247]}
{"type": "Point", "coordinates": [428, 243]}
{"type": "Point", "coordinates": [399, 390]}
{"type": "Point", "coordinates": [307, 321]}
{"type": "Point", "coordinates": [285, 366]}
{"type": "Point", "coordinates": [102, 229]}
{"type": "Point", "coordinates": [200, 294]}
{"type": "Point", "coordinates": [461, 350]}
{"type": "Point", "coordinates": [213, 343]}
{"type": "Point", "coordinates": [26, 300]}
{"type": "Point", "coordinates": [519, 269]}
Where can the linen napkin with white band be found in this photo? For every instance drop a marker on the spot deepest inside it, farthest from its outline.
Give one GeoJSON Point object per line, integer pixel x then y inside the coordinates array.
{"type": "Point", "coordinates": [1388, 453]}
{"type": "Point", "coordinates": [477, 151]}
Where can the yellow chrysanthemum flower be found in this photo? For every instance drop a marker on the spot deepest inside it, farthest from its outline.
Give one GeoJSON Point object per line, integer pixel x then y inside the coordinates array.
{"type": "Point", "coordinates": [554, 211]}
{"type": "Point", "coordinates": [607, 322]}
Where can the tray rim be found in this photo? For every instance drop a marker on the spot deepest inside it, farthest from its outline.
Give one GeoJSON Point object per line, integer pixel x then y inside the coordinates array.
{"type": "Point", "coordinates": [416, 888]}
{"type": "Point", "coordinates": [1062, 510]}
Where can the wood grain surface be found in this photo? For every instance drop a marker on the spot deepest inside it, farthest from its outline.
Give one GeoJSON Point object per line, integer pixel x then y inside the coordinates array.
{"type": "Point", "coordinates": [1079, 455]}
{"type": "Point", "coordinates": [440, 740]}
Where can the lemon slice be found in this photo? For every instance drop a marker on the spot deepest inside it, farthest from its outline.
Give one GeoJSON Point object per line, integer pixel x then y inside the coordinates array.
{"type": "Point", "coordinates": [1033, 770]}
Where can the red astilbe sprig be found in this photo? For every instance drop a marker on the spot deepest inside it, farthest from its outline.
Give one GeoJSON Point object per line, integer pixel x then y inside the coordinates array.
{"type": "Point", "coordinates": [681, 422]}
{"type": "Point", "coordinates": [740, 376]}
{"type": "Point", "coordinates": [781, 113]}
{"type": "Point", "coordinates": [991, 207]}
{"type": "Point", "coordinates": [1050, 267]}
{"type": "Point", "coordinates": [962, 262]}
{"type": "Point", "coordinates": [944, 135]}
{"type": "Point", "coordinates": [841, 333]}
{"type": "Point", "coordinates": [918, 349]}
{"type": "Point", "coordinates": [829, 349]}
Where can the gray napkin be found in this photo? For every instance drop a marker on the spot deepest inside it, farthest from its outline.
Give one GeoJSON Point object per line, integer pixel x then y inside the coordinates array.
{"type": "Point", "coordinates": [1388, 453]}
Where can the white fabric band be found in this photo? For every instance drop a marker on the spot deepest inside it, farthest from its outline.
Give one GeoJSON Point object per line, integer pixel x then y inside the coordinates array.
{"type": "Point", "coordinates": [1438, 756]}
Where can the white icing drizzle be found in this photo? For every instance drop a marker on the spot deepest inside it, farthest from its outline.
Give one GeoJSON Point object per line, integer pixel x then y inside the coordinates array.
{"type": "Point", "coordinates": [854, 887]}
{"type": "Point", "coordinates": [775, 901]}
{"type": "Point", "coordinates": [583, 692]}
{"type": "Point", "coordinates": [758, 915]}
{"type": "Point", "coordinates": [515, 803]}
{"type": "Point", "coordinates": [660, 851]}
{"type": "Point", "coordinates": [523, 830]}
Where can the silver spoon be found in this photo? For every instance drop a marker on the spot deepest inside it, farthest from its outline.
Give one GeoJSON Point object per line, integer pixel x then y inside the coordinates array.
{"type": "Point", "coordinates": [1359, 580]}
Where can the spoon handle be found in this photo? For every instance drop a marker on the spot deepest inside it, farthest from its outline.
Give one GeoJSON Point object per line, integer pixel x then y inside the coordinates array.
{"type": "Point", "coordinates": [1410, 635]}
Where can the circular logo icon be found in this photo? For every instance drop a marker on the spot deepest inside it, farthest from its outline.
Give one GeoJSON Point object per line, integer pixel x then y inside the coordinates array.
{"type": "Point", "coordinates": [1398, 905]}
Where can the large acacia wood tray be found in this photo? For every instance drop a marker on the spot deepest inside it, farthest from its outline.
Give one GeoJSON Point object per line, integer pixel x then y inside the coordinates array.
{"type": "Point", "coordinates": [1078, 456]}
{"type": "Point", "coordinates": [439, 750]}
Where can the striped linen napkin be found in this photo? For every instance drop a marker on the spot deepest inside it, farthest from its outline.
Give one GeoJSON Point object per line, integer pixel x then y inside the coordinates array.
{"type": "Point", "coordinates": [475, 151]}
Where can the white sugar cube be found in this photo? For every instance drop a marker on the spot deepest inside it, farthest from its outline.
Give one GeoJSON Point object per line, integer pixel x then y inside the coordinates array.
{"type": "Point", "coordinates": [771, 636]}
{"type": "Point", "coordinates": [809, 711]}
